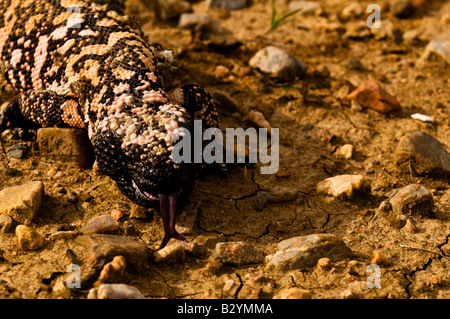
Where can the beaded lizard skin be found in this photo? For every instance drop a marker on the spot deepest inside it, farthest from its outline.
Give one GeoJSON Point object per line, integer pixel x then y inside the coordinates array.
{"type": "Point", "coordinates": [76, 65]}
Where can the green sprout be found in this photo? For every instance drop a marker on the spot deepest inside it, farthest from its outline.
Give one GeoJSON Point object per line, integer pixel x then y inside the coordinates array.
{"type": "Point", "coordinates": [279, 19]}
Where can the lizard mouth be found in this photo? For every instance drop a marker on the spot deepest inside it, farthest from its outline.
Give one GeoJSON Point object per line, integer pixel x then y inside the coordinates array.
{"type": "Point", "coordinates": [168, 209]}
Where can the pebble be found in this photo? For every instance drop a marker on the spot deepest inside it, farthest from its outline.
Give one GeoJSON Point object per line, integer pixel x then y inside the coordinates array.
{"type": "Point", "coordinates": [18, 150]}
{"type": "Point", "coordinates": [353, 64]}
{"type": "Point", "coordinates": [343, 185]}
{"type": "Point", "coordinates": [170, 254]}
{"type": "Point", "coordinates": [261, 201]}
{"type": "Point", "coordinates": [422, 153]}
{"type": "Point", "coordinates": [306, 7]}
{"type": "Point", "coordinates": [228, 4]}
{"type": "Point", "coordinates": [114, 270]}
{"type": "Point", "coordinates": [22, 202]}
{"type": "Point", "coordinates": [440, 47]}
{"type": "Point", "coordinates": [173, 8]}
{"type": "Point", "coordinates": [370, 94]}
{"type": "Point", "coordinates": [346, 151]}
{"type": "Point", "coordinates": [115, 291]}
{"type": "Point", "coordinates": [282, 194]}
{"type": "Point", "coordinates": [278, 64]}
{"type": "Point", "coordinates": [66, 144]}
{"type": "Point", "coordinates": [6, 223]}
{"type": "Point", "coordinates": [294, 293]}
{"type": "Point", "coordinates": [236, 253]}
{"type": "Point", "coordinates": [28, 238]}
{"type": "Point", "coordinates": [402, 9]}
{"type": "Point", "coordinates": [377, 258]}
{"type": "Point", "coordinates": [305, 251]}
{"type": "Point", "coordinates": [98, 247]}
{"type": "Point", "coordinates": [68, 234]}
{"type": "Point", "coordinates": [324, 263]}
{"type": "Point", "coordinates": [422, 117]}
{"type": "Point", "coordinates": [221, 71]}
{"type": "Point", "coordinates": [258, 119]}
{"type": "Point", "coordinates": [412, 200]}
{"type": "Point", "coordinates": [117, 214]}
{"type": "Point", "coordinates": [100, 224]}
{"type": "Point", "coordinates": [193, 20]}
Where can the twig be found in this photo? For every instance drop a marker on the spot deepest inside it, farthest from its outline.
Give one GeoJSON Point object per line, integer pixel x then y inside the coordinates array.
{"type": "Point", "coordinates": [423, 249]}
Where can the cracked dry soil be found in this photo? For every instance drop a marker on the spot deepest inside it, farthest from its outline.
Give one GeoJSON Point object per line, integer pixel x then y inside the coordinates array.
{"type": "Point", "coordinates": [312, 128]}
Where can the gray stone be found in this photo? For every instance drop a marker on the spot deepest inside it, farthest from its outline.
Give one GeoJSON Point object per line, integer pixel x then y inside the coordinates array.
{"type": "Point", "coordinates": [236, 253]}
{"type": "Point", "coordinates": [423, 154]}
{"type": "Point", "coordinates": [97, 247]}
{"type": "Point", "coordinates": [228, 4]}
{"type": "Point", "coordinates": [192, 20]}
{"type": "Point", "coordinates": [412, 199]}
{"type": "Point", "coordinates": [6, 223]}
{"type": "Point", "coordinates": [22, 202]}
{"type": "Point", "coordinates": [440, 47]}
{"type": "Point", "coordinates": [304, 251]}
{"type": "Point", "coordinates": [115, 291]}
{"type": "Point", "coordinates": [18, 150]}
{"type": "Point", "coordinates": [278, 64]}
{"type": "Point", "coordinates": [171, 254]}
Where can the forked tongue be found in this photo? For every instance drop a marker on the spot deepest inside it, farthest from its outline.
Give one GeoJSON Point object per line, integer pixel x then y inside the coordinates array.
{"type": "Point", "coordinates": [168, 208]}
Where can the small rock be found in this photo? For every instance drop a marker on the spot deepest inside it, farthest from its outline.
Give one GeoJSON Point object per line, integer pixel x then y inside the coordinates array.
{"type": "Point", "coordinates": [402, 9]}
{"type": "Point", "coordinates": [18, 150]}
{"type": "Point", "coordinates": [440, 47]}
{"type": "Point", "coordinates": [411, 200]}
{"type": "Point", "coordinates": [6, 223]}
{"type": "Point", "coordinates": [294, 293]}
{"type": "Point", "coordinates": [66, 145]}
{"type": "Point", "coordinates": [228, 4]}
{"type": "Point", "coordinates": [173, 8]}
{"type": "Point", "coordinates": [221, 71]}
{"type": "Point", "coordinates": [193, 20]}
{"type": "Point", "coordinates": [100, 224]}
{"type": "Point", "coordinates": [138, 212]}
{"type": "Point", "coordinates": [422, 153]}
{"type": "Point", "coordinates": [84, 197]}
{"type": "Point", "coordinates": [346, 151]}
{"type": "Point", "coordinates": [258, 119]}
{"type": "Point", "coordinates": [278, 64]}
{"type": "Point", "coordinates": [282, 194]}
{"type": "Point", "coordinates": [173, 253]}
{"type": "Point", "coordinates": [236, 253]}
{"type": "Point", "coordinates": [354, 64]}
{"type": "Point", "coordinates": [22, 202]}
{"type": "Point", "coordinates": [343, 185]}
{"type": "Point", "coordinates": [306, 7]}
{"type": "Point", "coordinates": [28, 238]}
{"type": "Point", "coordinates": [186, 220]}
{"type": "Point", "coordinates": [117, 214]}
{"type": "Point", "coordinates": [377, 258]}
{"type": "Point", "coordinates": [213, 266]}
{"type": "Point", "coordinates": [115, 291]}
{"type": "Point", "coordinates": [114, 270]}
{"type": "Point", "coordinates": [261, 201]}
{"type": "Point", "coordinates": [324, 263]}
{"type": "Point", "coordinates": [305, 251]}
{"type": "Point", "coordinates": [68, 234]}
{"type": "Point", "coordinates": [97, 247]}
{"type": "Point", "coordinates": [370, 94]}
{"type": "Point", "coordinates": [410, 226]}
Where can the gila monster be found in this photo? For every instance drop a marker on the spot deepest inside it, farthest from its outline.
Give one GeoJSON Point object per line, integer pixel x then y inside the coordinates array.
{"type": "Point", "coordinates": [76, 65]}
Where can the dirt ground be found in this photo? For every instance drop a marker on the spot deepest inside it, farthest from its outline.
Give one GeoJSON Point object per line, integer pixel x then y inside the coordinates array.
{"type": "Point", "coordinates": [312, 128]}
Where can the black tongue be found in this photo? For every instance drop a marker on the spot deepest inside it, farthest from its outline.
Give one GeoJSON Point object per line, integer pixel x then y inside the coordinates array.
{"type": "Point", "coordinates": [168, 208]}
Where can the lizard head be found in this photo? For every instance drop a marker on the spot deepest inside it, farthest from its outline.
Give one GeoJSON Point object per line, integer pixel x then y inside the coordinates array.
{"type": "Point", "coordinates": [136, 151]}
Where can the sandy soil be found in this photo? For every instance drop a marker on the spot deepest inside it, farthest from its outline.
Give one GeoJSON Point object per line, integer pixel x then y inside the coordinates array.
{"type": "Point", "coordinates": [312, 128]}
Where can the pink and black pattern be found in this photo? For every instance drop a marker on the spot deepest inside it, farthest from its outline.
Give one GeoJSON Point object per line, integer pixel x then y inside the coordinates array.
{"type": "Point", "coordinates": [76, 65]}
